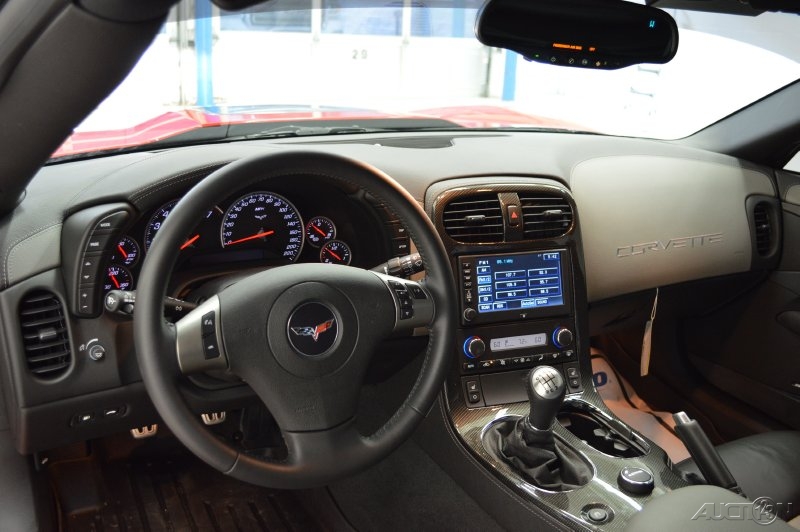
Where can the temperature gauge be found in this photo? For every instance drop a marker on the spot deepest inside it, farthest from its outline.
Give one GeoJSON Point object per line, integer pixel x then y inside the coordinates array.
{"type": "Point", "coordinates": [335, 252]}
{"type": "Point", "coordinates": [320, 230]}
{"type": "Point", "coordinates": [118, 278]}
{"type": "Point", "coordinates": [126, 252]}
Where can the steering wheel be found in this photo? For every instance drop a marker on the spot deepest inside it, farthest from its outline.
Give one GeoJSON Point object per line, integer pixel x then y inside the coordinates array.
{"type": "Point", "coordinates": [301, 336]}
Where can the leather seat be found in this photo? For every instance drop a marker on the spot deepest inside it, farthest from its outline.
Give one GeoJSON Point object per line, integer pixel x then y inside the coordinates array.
{"type": "Point", "coordinates": [764, 465]}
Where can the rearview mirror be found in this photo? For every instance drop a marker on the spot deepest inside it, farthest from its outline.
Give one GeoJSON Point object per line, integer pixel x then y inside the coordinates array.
{"type": "Point", "coordinates": [604, 34]}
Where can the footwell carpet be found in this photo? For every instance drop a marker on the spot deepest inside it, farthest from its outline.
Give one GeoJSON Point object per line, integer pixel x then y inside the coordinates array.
{"type": "Point", "coordinates": [178, 494]}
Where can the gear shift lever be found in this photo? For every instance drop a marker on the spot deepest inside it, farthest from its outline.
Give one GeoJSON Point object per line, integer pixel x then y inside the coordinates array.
{"type": "Point", "coordinates": [529, 445]}
{"type": "Point", "coordinates": [546, 389]}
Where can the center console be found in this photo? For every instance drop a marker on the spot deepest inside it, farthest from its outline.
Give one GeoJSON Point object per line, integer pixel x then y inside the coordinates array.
{"type": "Point", "coordinates": [516, 256]}
{"type": "Point", "coordinates": [517, 313]}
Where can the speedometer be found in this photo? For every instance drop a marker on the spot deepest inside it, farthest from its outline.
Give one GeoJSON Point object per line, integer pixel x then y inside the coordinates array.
{"type": "Point", "coordinates": [266, 221]}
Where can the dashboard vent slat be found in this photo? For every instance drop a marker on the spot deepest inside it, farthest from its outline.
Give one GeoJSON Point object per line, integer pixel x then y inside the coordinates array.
{"type": "Point", "coordinates": [44, 335]}
{"type": "Point", "coordinates": [763, 226]}
{"type": "Point", "coordinates": [545, 216]}
{"type": "Point", "coordinates": [474, 219]}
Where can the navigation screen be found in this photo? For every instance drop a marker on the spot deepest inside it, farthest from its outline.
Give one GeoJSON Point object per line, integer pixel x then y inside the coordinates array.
{"type": "Point", "coordinates": [511, 282]}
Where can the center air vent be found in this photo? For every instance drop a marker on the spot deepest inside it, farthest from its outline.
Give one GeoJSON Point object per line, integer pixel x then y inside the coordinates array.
{"type": "Point", "coordinates": [474, 219]}
{"type": "Point", "coordinates": [763, 228]}
{"type": "Point", "coordinates": [44, 335]}
{"type": "Point", "coordinates": [544, 215]}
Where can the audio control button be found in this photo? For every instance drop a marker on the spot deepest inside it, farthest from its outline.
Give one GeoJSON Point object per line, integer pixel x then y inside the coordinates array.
{"type": "Point", "coordinates": [417, 291]}
{"type": "Point", "coordinates": [470, 314]}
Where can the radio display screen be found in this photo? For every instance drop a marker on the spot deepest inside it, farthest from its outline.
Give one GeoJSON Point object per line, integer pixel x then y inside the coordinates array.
{"type": "Point", "coordinates": [519, 281]}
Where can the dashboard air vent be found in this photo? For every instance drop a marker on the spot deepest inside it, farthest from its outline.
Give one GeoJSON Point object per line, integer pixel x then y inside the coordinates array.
{"type": "Point", "coordinates": [474, 219]}
{"type": "Point", "coordinates": [545, 215]}
{"type": "Point", "coordinates": [763, 225]}
{"type": "Point", "coordinates": [44, 335]}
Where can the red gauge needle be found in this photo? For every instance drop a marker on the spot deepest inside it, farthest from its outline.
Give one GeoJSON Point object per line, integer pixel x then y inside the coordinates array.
{"type": "Point", "coordinates": [190, 242]}
{"type": "Point", "coordinates": [251, 237]}
{"type": "Point", "coordinates": [122, 250]}
{"type": "Point", "coordinates": [116, 283]}
{"type": "Point", "coordinates": [318, 230]}
{"type": "Point", "coordinates": [335, 256]}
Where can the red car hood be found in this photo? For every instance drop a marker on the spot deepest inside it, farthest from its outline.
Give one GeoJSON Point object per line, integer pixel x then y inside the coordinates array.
{"type": "Point", "coordinates": [173, 123]}
{"type": "Point", "coordinates": [489, 116]}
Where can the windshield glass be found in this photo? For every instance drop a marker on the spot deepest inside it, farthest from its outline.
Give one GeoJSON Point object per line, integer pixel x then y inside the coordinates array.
{"type": "Point", "coordinates": [312, 62]}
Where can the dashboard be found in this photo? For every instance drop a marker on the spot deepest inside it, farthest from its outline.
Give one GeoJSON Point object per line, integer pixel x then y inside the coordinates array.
{"type": "Point", "coordinates": [307, 220]}
{"type": "Point", "coordinates": [570, 217]}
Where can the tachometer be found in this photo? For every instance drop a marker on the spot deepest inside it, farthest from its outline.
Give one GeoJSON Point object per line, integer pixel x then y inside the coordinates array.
{"type": "Point", "coordinates": [264, 220]}
{"type": "Point", "coordinates": [156, 221]}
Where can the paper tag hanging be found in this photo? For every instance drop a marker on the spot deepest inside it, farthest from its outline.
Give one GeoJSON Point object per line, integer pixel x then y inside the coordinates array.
{"type": "Point", "coordinates": [644, 365]}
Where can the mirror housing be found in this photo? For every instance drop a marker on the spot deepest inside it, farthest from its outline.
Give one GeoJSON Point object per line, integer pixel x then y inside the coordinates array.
{"type": "Point", "coordinates": [599, 34]}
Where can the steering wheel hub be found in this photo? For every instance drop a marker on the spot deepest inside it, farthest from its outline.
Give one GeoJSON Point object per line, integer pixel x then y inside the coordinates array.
{"type": "Point", "coordinates": [312, 329]}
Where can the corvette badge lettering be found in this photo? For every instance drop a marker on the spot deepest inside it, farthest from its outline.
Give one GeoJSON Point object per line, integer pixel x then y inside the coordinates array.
{"type": "Point", "coordinates": [314, 332]}
{"type": "Point", "coordinates": [672, 243]}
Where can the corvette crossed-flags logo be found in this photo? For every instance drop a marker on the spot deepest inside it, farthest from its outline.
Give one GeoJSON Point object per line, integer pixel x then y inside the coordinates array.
{"type": "Point", "coordinates": [314, 332]}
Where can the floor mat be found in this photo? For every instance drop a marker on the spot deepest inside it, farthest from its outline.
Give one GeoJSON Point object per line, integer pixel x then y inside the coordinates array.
{"type": "Point", "coordinates": [622, 399]}
{"type": "Point", "coordinates": [182, 493]}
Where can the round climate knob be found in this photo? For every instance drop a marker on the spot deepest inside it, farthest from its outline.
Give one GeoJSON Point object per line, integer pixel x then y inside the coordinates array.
{"type": "Point", "coordinates": [474, 347]}
{"type": "Point", "coordinates": [562, 337]}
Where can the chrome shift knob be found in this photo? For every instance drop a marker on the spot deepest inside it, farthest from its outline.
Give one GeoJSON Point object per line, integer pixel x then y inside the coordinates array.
{"type": "Point", "coordinates": [546, 389]}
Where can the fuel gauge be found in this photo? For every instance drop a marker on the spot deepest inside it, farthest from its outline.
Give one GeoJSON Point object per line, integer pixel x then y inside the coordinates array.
{"type": "Point", "coordinates": [335, 252]}
{"type": "Point", "coordinates": [320, 230]}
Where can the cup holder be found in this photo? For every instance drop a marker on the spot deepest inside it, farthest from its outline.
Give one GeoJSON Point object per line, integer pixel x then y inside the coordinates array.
{"type": "Point", "coordinates": [598, 432]}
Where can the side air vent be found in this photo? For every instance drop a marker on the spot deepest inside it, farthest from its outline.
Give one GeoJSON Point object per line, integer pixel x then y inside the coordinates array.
{"type": "Point", "coordinates": [545, 215]}
{"type": "Point", "coordinates": [763, 226]}
{"type": "Point", "coordinates": [474, 219]}
{"type": "Point", "coordinates": [44, 335]}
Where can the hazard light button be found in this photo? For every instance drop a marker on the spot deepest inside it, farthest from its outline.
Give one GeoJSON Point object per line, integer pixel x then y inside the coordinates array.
{"type": "Point", "coordinates": [513, 215]}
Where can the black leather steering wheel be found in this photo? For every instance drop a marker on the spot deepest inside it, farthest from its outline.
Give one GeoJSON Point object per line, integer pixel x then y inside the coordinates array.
{"type": "Point", "coordinates": [300, 335]}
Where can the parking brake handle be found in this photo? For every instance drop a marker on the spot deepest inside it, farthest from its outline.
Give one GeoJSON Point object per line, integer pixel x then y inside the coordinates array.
{"type": "Point", "coordinates": [708, 460]}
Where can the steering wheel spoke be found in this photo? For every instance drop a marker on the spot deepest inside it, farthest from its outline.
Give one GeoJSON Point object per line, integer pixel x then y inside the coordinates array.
{"type": "Point", "coordinates": [319, 448]}
{"type": "Point", "coordinates": [198, 339]}
{"type": "Point", "coordinates": [413, 303]}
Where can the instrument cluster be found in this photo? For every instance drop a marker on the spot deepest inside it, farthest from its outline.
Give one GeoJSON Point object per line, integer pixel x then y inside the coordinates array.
{"type": "Point", "coordinates": [263, 228]}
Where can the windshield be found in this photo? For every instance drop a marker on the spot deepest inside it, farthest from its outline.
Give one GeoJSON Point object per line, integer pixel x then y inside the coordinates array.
{"type": "Point", "coordinates": [410, 66]}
